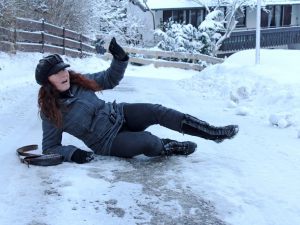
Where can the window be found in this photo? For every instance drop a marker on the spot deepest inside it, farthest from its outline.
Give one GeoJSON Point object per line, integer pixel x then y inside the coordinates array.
{"type": "Point", "coordinates": [167, 14]}
{"type": "Point", "coordinates": [175, 15]}
{"type": "Point", "coordinates": [187, 16]}
{"type": "Point", "coordinates": [197, 16]}
{"type": "Point", "coordinates": [200, 16]}
{"type": "Point", "coordinates": [264, 18]}
{"type": "Point", "coordinates": [240, 18]}
{"type": "Point", "coordinates": [180, 16]}
{"type": "Point", "coordinates": [271, 16]}
{"type": "Point", "coordinates": [286, 15]}
{"type": "Point", "coordinates": [192, 16]}
{"type": "Point", "coordinates": [193, 20]}
{"type": "Point", "coordinates": [276, 16]}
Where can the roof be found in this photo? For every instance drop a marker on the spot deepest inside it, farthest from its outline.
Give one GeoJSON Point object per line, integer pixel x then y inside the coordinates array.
{"type": "Point", "coordinates": [175, 4]}
{"type": "Point", "coordinates": [165, 4]}
{"type": "Point", "coordinates": [169, 4]}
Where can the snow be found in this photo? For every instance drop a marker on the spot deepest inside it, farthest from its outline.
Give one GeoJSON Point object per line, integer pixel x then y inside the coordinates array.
{"type": "Point", "coordinates": [171, 4]}
{"type": "Point", "coordinates": [251, 179]}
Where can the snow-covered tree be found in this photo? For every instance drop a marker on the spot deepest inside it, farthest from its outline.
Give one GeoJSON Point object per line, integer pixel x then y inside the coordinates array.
{"type": "Point", "coordinates": [212, 28]}
{"type": "Point", "coordinates": [106, 17]}
{"type": "Point", "coordinates": [7, 12]}
{"type": "Point", "coordinates": [111, 19]}
{"type": "Point", "coordinates": [220, 21]}
{"type": "Point", "coordinates": [223, 22]}
{"type": "Point", "coordinates": [73, 14]}
{"type": "Point", "coordinates": [181, 38]}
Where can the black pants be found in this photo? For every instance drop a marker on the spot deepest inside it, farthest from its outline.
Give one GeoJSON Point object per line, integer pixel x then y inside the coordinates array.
{"type": "Point", "coordinates": [133, 140]}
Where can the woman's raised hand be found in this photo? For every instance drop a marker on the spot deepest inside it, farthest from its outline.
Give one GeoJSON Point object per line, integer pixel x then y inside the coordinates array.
{"type": "Point", "coordinates": [117, 51]}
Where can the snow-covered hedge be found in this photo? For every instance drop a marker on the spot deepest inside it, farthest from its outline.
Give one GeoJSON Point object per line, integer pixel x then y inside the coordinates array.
{"type": "Point", "coordinates": [187, 38]}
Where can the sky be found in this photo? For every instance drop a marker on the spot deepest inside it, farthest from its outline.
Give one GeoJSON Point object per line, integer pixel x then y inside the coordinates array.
{"type": "Point", "coordinates": [251, 179]}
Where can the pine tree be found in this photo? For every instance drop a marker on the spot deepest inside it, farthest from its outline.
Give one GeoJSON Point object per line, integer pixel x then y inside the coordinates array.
{"type": "Point", "coordinates": [185, 38]}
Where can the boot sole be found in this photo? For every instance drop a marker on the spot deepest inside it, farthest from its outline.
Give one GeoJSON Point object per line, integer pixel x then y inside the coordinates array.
{"type": "Point", "coordinates": [236, 130]}
{"type": "Point", "coordinates": [191, 147]}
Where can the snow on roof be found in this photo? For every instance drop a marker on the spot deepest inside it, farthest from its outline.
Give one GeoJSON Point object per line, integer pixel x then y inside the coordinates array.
{"type": "Point", "coordinates": [173, 4]}
{"type": "Point", "coordinates": [164, 4]}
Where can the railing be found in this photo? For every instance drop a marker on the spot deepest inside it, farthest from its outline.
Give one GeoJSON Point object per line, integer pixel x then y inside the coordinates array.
{"type": "Point", "coordinates": [271, 37]}
{"type": "Point", "coordinates": [164, 58]}
{"type": "Point", "coordinates": [40, 36]}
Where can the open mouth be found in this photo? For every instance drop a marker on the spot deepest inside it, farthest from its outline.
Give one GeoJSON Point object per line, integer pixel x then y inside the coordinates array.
{"type": "Point", "coordinates": [65, 81]}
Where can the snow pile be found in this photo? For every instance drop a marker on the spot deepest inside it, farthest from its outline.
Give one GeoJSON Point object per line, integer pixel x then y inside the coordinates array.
{"type": "Point", "coordinates": [280, 120]}
{"type": "Point", "coordinates": [269, 90]}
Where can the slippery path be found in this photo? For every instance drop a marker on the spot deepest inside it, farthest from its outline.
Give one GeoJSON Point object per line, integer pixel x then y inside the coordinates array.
{"type": "Point", "coordinates": [117, 191]}
{"type": "Point", "coordinates": [220, 182]}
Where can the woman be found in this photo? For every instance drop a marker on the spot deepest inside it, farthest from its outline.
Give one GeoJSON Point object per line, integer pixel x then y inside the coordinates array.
{"type": "Point", "coordinates": [68, 103]}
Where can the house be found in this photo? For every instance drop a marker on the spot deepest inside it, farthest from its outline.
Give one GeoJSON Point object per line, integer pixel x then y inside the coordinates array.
{"type": "Point", "coordinates": [280, 18]}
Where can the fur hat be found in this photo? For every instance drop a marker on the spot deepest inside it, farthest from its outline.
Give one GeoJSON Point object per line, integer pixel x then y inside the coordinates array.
{"type": "Point", "coordinates": [47, 66]}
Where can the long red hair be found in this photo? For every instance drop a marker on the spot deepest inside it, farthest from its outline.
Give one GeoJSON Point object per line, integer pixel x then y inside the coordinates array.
{"type": "Point", "coordinates": [48, 96]}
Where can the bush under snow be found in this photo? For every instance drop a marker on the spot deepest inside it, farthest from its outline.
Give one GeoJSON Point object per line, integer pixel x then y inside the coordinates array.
{"type": "Point", "coordinates": [187, 38]}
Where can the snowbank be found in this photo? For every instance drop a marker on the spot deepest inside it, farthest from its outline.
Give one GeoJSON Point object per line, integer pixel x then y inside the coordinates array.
{"type": "Point", "coordinates": [270, 90]}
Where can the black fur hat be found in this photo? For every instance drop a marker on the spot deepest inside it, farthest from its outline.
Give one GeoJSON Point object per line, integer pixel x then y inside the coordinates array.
{"type": "Point", "coordinates": [47, 66]}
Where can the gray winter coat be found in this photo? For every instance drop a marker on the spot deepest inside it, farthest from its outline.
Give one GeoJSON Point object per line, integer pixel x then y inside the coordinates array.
{"type": "Point", "coordinates": [87, 117]}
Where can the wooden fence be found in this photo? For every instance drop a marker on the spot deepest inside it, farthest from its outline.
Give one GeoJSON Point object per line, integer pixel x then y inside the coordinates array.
{"type": "Point", "coordinates": [168, 59]}
{"type": "Point", "coordinates": [40, 36]}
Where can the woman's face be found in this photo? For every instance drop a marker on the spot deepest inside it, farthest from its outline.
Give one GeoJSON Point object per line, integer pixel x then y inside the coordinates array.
{"type": "Point", "coordinates": [60, 80]}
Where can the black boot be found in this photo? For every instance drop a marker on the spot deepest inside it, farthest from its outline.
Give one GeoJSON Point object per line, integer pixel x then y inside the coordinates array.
{"type": "Point", "coordinates": [193, 126]}
{"type": "Point", "coordinates": [172, 147]}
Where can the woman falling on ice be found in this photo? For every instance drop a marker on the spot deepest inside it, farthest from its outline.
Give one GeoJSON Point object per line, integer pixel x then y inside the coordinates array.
{"type": "Point", "coordinates": [68, 103]}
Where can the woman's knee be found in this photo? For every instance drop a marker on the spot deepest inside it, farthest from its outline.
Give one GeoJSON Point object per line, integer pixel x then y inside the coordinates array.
{"type": "Point", "coordinates": [129, 144]}
{"type": "Point", "coordinates": [152, 145]}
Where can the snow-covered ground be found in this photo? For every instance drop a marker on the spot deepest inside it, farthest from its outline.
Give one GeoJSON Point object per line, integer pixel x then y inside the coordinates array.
{"type": "Point", "coordinates": [251, 179]}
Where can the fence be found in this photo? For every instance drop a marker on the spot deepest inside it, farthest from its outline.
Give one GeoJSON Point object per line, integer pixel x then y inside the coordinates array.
{"type": "Point", "coordinates": [162, 58]}
{"type": "Point", "coordinates": [40, 36]}
{"type": "Point", "coordinates": [271, 37]}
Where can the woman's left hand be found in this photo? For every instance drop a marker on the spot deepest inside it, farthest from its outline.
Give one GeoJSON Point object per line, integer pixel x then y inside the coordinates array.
{"type": "Point", "coordinates": [117, 51]}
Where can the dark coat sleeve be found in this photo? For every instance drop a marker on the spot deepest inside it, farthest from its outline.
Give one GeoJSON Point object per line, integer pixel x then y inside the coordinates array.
{"type": "Point", "coordinates": [111, 77]}
{"type": "Point", "coordinates": [52, 137]}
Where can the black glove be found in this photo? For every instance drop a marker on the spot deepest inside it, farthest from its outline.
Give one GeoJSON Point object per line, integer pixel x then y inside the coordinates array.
{"type": "Point", "coordinates": [80, 156]}
{"type": "Point", "coordinates": [117, 51]}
